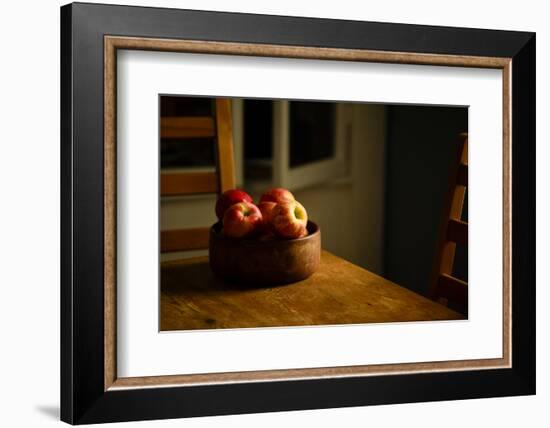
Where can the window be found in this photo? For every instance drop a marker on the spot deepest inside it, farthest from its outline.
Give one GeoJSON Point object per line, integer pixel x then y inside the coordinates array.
{"type": "Point", "coordinates": [295, 144]}
{"type": "Point", "coordinates": [292, 144]}
{"type": "Point", "coordinates": [312, 132]}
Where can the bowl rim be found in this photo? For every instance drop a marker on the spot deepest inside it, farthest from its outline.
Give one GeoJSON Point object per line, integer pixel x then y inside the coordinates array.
{"type": "Point", "coordinates": [312, 224]}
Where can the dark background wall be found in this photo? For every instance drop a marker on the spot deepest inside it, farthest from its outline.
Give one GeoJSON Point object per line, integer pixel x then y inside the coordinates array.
{"type": "Point", "coordinates": [421, 145]}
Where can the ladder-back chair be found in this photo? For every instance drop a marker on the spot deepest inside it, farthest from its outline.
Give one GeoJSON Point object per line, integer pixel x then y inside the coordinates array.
{"type": "Point", "coordinates": [444, 287]}
{"type": "Point", "coordinates": [218, 126]}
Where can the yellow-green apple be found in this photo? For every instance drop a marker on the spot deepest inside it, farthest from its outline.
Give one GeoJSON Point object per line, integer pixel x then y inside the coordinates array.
{"type": "Point", "coordinates": [278, 195]}
{"type": "Point", "coordinates": [228, 198]}
{"type": "Point", "coordinates": [241, 220]}
{"type": "Point", "coordinates": [289, 220]}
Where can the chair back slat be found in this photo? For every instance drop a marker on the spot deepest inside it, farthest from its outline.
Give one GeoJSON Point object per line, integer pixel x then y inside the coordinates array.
{"type": "Point", "coordinates": [224, 154]}
{"type": "Point", "coordinates": [187, 127]}
{"type": "Point", "coordinates": [445, 288]}
{"type": "Point", "coordinates": [184, 239]}
{"type": "Point", "coordinates": [455, 290]}
{"type": "Point", "coordinates": [457, 231]}
{"type": "Point", "coordinates": [191, 183]}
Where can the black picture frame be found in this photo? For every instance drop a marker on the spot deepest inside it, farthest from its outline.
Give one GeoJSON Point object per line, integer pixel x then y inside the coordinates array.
{"type": "Point", "coordinates": [83, 398]}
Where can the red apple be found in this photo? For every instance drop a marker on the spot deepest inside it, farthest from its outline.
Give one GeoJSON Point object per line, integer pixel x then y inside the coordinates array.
{"type": "Point", "coordinates": [278, 195]}
{"type": "Point", "coordinates": [266, 208]}
{"type": "Point", "coordinates": [228, 198]}
{"type": "Point", "coordinates": [289, 220]}
{"type": "Point", "coordinates": [241, 220]}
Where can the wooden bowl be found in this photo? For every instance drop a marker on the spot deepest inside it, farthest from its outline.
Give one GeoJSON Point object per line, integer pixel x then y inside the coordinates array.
{"type": "Point", "coordinates": [260, 263]}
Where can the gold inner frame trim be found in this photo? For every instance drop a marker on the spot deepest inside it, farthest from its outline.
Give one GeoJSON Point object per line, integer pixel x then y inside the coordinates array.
{"type": "Point", "coordinates": [113, 43]}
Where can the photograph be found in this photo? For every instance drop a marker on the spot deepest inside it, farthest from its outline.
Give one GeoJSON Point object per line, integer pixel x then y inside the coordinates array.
{"type": "Point", "coordinates": [275, 214]}
{"type": "Point", "coordinates": [280, 213]}
{"type": "Point", "coordinates": [265, 213]}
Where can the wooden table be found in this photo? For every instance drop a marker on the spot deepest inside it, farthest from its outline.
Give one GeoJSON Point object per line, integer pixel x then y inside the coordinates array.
{"type": "Point", "coordinates": [338, 293]}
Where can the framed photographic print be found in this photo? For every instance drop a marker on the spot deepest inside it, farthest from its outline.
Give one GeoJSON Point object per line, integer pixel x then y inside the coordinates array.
{"type": "Point", "coordinates": [265, 213]}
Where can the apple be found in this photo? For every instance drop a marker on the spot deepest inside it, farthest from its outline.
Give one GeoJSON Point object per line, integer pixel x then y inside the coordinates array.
{"type": "Point", "coordinates": [266, 208]}
{"type": "Point", "coordinates": [228, 198]}
{"type": "Point", "coordinates": [278, 195]}
{"type": "Point", "coordinates": [241, 220]}
{"type": "Point", "coordinates": [289, 220]}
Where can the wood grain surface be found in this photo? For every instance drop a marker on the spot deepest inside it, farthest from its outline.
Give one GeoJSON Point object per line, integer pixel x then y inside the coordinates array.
{"type": "Point", "coordinates": [187, 127]}
{"type": "Point", "coordinates": [338, 293]}
{"type": "Point", "coordinates": [188, 183]}
{"type": "Point", "coordinates": [184, 239]}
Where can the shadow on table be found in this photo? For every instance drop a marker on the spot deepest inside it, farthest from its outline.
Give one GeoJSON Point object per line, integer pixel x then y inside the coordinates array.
{"type": "Point", "coordinates": [196, 276]}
